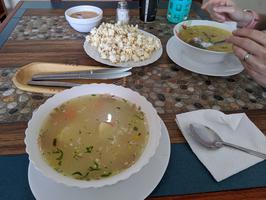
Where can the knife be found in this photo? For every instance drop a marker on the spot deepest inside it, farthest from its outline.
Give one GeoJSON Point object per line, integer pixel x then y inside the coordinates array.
{"type": "Point", "coordinates": [81, 75]}
{"type": "Point", "coordinates": [76, 73]}
{"type": "Point", "coordinates": [53, 84]}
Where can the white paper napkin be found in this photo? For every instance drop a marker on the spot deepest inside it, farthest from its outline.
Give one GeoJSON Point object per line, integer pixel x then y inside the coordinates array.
{"type": "Point", "coordinates": [234, 128]}
{"type": "Point", "coordinates": [232, 120]}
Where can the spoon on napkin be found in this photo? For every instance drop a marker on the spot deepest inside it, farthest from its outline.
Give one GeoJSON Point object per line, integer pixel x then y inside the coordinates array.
{"type": "Point", "coordinates": [210, 139]}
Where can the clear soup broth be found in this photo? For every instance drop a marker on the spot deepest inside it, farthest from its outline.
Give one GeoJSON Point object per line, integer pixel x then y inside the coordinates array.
{"type": "Point", "coordinates": [94, 136]}
{"type": "Point", "coordinates": [84, 14]}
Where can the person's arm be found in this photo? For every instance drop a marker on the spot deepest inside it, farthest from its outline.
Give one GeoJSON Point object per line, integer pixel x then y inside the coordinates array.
{"type": "Point", "coordinates": [227, 10]}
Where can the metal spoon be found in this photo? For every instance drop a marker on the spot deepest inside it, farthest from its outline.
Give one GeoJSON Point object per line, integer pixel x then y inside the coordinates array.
{"type": "Point", "coordinates": [210, 139]}
{"type": "Point", "coordinates": [200, 43]}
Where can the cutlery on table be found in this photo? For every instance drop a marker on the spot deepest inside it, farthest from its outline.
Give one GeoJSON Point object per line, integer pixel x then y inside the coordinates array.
{"type": "Point", "coordinates": [90, 74]}
{"type": "Point", "coordinates": [210, 139]}
{"type": "Point", "coordinates": [50, 79]}
{"type": "Point", "coordinates": [53, 84]}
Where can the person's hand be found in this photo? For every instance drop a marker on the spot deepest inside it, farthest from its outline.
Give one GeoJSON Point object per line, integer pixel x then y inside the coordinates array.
{"type": "Point", "coordinates": [226, 10]}
{"type": "Point", "coordinates": [253, 43]}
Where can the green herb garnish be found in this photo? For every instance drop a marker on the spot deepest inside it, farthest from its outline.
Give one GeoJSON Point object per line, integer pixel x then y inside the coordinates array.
{"type": "Point", "coordinates": [139, 117]}
{"type": "Point", "coordinates": [76, 155]}
{"type": "Point", "coordinates": [95, 167]}
{"type": "Point", "coordinates": [54, 142]}
{"type": "Point", "coordinates": [106, 174]}
{"type": "Point", "coordinates": [86, 175]}
{"type": "Point", "coordinates": [60, 152]}
{"type": "Point", "coordinates": [89, 149]}
{"type": "Point", "coordinates": [62, 107]}
{"type": "Point", "coordinates": [77, 173]}
{"type": "Point", "coordinates": [58, 170]}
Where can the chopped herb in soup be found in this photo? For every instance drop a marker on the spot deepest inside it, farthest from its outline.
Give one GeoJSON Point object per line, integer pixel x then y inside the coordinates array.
{"type": "Point", "coordinates": [206, 34]}
{"type": "Point", "coordinates": [93, 137]}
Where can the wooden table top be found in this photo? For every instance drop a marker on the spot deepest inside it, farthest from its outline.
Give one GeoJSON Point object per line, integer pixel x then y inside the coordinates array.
{"type": "Point", "coordinates": [16, 53]}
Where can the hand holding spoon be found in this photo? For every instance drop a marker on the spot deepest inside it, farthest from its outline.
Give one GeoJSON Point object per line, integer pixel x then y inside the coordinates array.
{"type": "Point", "coordinates": [210, 139]}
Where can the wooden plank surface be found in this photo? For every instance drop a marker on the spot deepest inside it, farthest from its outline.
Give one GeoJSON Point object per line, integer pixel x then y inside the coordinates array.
{"type": "Point", "coordinates": [17, 53]}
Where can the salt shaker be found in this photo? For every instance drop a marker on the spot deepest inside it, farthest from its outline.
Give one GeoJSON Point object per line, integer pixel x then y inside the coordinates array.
{"type": "Point", "coordinates": [122, 13]}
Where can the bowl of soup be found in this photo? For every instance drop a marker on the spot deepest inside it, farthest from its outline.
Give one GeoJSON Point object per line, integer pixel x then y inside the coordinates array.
{"type": "Point", "coordinates": [195, 37]}
{"type": "Point", "coordinates": [93, 135]}
{"type": "Point", "coordinates": [84, 18]}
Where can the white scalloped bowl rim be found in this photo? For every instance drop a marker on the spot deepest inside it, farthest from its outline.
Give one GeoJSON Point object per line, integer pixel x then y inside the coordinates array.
{"type": "Point", "coordinates": [34, 126]}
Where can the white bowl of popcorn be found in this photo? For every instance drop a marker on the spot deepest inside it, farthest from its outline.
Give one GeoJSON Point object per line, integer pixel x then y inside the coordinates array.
{"type": "Point", "coordinates": [122, 45]}
{"type": "Point", "coordinates": [84, 18]}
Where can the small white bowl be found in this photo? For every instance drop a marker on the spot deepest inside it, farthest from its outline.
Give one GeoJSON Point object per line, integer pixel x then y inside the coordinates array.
{"type": "Point", "coordinates": [203, 55]}
{"type": "Point", "coordinates": [38, 117]}
{"type": "Point", "coordinates": [83, 25]}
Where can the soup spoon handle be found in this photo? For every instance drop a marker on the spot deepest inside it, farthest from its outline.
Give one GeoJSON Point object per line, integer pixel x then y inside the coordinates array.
{"type": "Point", "coordinates": [218, 42]}
{"type": "Point", "coordinates": [249, 151]}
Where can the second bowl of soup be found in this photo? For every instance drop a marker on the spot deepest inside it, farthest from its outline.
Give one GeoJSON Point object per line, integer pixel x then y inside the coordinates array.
{"type": "Point", "coordinates": [197, 37]}
{"type": "Point", "coordinates": [93, 135]}
{"type": "Point", "coordinates": [84, 18]}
